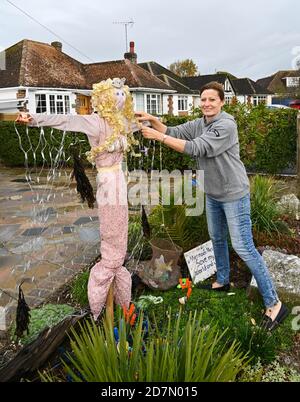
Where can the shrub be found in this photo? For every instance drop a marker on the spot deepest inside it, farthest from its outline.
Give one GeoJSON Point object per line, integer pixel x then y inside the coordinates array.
{"type": "Point", "coordinates": [265, 212]}
{"type": "Point", "coordinates": [46, 316]}
{"type": "Point", "coordinates": [196, 355]}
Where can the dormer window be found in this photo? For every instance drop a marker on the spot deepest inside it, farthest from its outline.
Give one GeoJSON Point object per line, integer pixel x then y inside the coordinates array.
{"type": "Point", "coordinates": [292, 82]}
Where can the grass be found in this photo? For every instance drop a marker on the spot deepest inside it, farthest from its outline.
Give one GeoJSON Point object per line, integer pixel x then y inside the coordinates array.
{"type": "Point", "coordinates": [237, 313]}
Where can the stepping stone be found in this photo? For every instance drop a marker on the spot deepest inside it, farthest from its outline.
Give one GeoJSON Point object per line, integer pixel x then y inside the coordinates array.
{"type": "Point", "coordinates": [82, 221]}
{"type": "Point", "coordinates": [23, 190]}
{"type": "Point", "coordinates": [19, 181]}
{"type": "Point", "coordinates": [33, 231]}
{"type": "Point", "coordinates": [48, 211]}
{"type": "Point", "coordinates": [68, 229]}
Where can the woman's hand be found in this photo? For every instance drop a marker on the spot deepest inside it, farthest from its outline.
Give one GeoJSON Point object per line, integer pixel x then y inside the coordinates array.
{"type": "Point", "coordinates": [143, 116]}
{"type": "Point", "coordinates": [23, 118]}
{"type": "Point", "coordinates": [151, 134]}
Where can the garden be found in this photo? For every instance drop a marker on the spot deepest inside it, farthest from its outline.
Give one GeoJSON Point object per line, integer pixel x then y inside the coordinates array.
{"type": "Point", "coordinates": [183, 333]}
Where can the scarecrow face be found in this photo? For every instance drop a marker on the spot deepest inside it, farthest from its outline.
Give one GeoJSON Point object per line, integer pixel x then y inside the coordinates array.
{"type": "Point", "coordinates": [120, 98]}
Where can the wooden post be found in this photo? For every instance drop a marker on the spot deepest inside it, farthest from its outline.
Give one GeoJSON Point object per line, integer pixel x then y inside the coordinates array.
{"type": "Point", "coordinates": [110, 306]}
{"type": "Point", "coordinates": [298, 155]}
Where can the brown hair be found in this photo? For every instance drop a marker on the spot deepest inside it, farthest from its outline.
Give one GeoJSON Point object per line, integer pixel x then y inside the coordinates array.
{"type": "Point", "coordinates": [216, 86]}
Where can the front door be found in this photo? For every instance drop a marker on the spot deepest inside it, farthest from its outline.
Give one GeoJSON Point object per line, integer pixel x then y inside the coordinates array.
{"type": "Point", "coordinates": [83, 104]}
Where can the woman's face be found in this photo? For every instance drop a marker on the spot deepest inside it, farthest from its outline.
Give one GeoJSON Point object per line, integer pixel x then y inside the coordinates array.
{"type": "Point", "coordinates": [211, 103]}
{"type": "Point", "coordinates": [121, 96]}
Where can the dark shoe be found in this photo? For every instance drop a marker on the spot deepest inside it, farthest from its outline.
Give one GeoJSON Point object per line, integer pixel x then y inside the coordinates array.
{"type": "Point", "coordinates": [224, 288]}
{"type": "Point", "coordinates": [269, 325]}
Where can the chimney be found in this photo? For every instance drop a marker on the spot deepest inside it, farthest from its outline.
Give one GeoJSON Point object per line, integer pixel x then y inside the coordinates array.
{"type": "Point", "coordinates": [131, 55]}
{"type": "Point", "coordinates": [57, 45]}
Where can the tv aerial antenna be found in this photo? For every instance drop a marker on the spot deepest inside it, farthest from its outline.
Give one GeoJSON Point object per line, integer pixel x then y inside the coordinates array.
{"type": "Point", "coordinates": [126, 24]}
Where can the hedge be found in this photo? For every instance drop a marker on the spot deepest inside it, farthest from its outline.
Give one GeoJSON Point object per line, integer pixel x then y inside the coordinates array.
{"type": "Point", "coordinates": [268, 142]}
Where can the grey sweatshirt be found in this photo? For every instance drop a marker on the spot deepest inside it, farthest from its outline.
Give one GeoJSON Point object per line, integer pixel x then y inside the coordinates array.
{"type": "Point", "coordinates": [215, 146]}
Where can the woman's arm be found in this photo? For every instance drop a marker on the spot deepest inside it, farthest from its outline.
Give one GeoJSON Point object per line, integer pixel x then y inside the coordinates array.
{"type": "Point", "coordinates": [174, 143]}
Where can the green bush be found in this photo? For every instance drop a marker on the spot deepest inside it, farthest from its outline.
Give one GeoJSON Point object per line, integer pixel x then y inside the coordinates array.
{"type": "Point", "coordinates": [37, 145]}
{"type": "Point", "coordinates": [235, 312]}
{"type": "Point", "coordinates": [193, 353]}
{"type": "Point", "coordinates": [265, 212]}
{"type": "Point", "coordinates": [273, 372]}
{"type": "Point", "coordinates": [79, 288]}
{"type": "Point", "coordinates": [40, 318]}
{"type": "Point", "coordinates": [263, 133]}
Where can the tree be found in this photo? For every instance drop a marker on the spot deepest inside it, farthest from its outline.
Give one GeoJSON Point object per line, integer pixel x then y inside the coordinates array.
{"type": "Point", "coordinates": [184, 68]}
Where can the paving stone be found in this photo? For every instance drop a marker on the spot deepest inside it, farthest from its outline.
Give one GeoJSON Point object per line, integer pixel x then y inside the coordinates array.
{"type": "Point", "coordinates": [7, 232]}
{"type": "Point", "coordinates": [40, 293]}
{"type": "Point", "coordinates": [84, 220]}
{"type": "Point", "coordinates": [30, 246]}
{"type": "Point", "coordinates": [34, 231]}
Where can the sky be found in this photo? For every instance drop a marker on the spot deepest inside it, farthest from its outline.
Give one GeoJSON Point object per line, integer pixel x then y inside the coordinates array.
{"type": "Point", "coordinates": [251, 39]}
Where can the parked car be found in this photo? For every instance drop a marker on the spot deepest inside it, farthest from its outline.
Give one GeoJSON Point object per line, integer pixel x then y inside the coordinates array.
{"type": "Point", "coordinates": [275, 106]}
{"type": "Point", "coordinates": [295, 104]}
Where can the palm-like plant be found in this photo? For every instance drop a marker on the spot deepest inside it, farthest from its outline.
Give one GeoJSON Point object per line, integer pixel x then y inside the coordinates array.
{"type": "Point", "coordinates": [190, 354]}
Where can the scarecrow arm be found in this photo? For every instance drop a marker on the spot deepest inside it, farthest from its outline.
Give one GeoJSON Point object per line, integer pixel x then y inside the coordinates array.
{"type": "Point", "coordinates": [88, 124]}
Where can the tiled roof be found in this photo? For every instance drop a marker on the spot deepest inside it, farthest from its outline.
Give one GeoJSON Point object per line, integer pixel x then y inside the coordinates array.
{"type": "Point", "coordinates": [197, 83]}
{"type": "Point", "coordinates": [275, 82]}
{"type": "Point", "coordinates": [173, 80]}
{"type": "Point", "coordinates": [136, 77]}
{"type": "Point", "coordinates": [35, 64]}
{"type": "Point", "coordinates": [245, 86]}
{"type": "Point", "coordinates": [41, 65]}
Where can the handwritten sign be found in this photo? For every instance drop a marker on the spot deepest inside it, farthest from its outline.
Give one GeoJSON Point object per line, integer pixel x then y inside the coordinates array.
{"type": "Point", "coordinates": [201, 262]}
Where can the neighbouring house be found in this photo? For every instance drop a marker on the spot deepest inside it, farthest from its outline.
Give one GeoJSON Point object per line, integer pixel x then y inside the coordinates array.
{"type": "Point", "coordinates": [196, 83]}
{"type": "Point", "coordinates": [285, 85]}
{"type": "Point", "coordinates": [44, 79]}
{"type": "Point", "coordinates": [248, 91]}
{"type": "Point", "coordinates": [185, 98]}
{"type": "Point", "coordinates": [242, 89]}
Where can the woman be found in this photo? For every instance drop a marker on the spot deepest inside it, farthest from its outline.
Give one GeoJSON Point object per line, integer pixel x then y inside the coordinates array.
{"type": "Point", "coordinates": [213, 142]}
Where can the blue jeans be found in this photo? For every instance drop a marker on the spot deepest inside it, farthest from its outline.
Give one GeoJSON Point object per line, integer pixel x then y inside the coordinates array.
{"type": "Point", "coordinates": [235, 217]}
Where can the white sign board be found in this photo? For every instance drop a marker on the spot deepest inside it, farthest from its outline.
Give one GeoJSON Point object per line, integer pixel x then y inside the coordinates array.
{"type": "Point", "coordinates": [201, 262]}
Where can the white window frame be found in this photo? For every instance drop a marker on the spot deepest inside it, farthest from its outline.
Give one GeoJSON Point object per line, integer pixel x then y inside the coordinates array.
{"type": "Point", "coordinates": [183, 103]}
{"type": "Point", "coordinates": [64, 102]}
{"type": "Point", "coordinates": [292, 82]}
{"type": "Point", "coordinates": [256, 100]}
{"type": "Point", "coordinates": [228, 99]}
{"type": "Point", "coordinates": [158, 100]}
{"type": "Point", "coordinates": [227, 86]}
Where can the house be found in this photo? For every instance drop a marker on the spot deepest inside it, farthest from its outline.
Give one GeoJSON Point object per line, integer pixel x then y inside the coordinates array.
{"type": "Point", "coordinates": [44, 79]}
{"type": "Point", "coordinates": [248, 91]}
{"type": "Point", "coordinates": [196, 83]}
{"type": "Point", "coordinates": [185, 98]}
{"type": "Point", "coordinates": [285, 85]}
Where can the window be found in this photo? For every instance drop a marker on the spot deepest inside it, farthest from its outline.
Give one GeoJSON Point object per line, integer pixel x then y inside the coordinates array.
{"type": "Point", "coordinates": [227, 87]}
{"type": "Point", "coordinates": [41, 104]}
{"type": "Point", "coordinates": [292, 82]}
{"type": "Point", "coordinates": [153, 104]}
{"type": "Point", "coordinates": [52, 103]}
{"type": "Point", "coordinates": [259, 99]}
{"type": "Point", "coordinates": [140, 103]}
{"type": "Point", "coordinates": [228, 100]}
{"type": "Point", "coordinates": [182, 103]}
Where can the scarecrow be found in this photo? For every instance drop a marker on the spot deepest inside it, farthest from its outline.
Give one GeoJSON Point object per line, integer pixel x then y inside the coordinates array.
{"type": "Point", "coordinates": [110, 135]}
